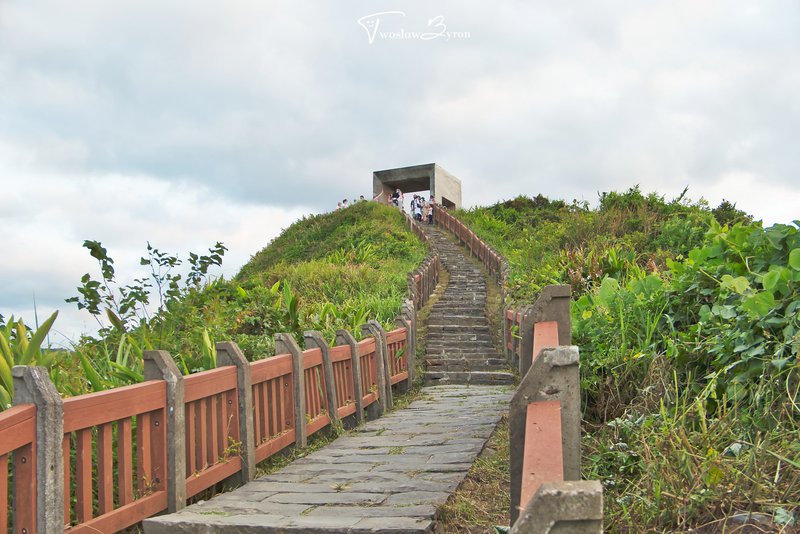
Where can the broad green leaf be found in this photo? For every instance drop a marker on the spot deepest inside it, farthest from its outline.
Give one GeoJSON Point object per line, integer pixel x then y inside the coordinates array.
{"type": "Point", "coordinates": [95, 381]}
{"type": "Point", "coordinates": [759, 305]}
{"type": "Point", "coordinates": [5, 399]}
{"type": "Point", "coordinates": [6, 381]}
{"type": "Point", "coordinates": [779, 363]}
{"type": "Point", "coordinates": [22, 341]}
{"type": "Point", "coordinates": [770, 280]}
{"type": "Point", "coordinates": [5, 351]}
{"type": "Point", "coordinates": [34, 347]}
{"type": "Point", "coordinates": [115, 320]}
{"type": "Point", "coordinates": [608, 289]}
{"type": "Point", "coordinates": [782, 517]}
{"type": "Point", "coordinates": [794, 259]}
{"type": "Point", "coordinates": [739, 285]}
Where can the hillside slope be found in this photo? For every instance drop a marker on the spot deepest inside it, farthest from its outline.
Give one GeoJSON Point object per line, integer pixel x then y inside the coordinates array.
{"type": "Point", "coordinates": [325, 272]}
{"type": "Point", "coordinates": [688, 322]}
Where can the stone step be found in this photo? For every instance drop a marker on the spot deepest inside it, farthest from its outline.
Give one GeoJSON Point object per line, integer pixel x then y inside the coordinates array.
{"type": "Point", "coordinates": [441, 351]}
{"type": "Point", "coordinates": [461, 367]}
{"type": "Point", "coordinates": [456, 352]}
{"type": "Point", "coordinates": [468, 377]}
{"type": "Point", "coordinates": [481, 364]}
{"type": "Point", "coordinates": [442, 337]}
{"type": "Point", "coordinates": [457, 323]}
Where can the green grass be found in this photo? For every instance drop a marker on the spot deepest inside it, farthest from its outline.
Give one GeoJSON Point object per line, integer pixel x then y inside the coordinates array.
{"type": "Point", "coordinates": [325, 272]}
{"type": "Point", "coordinates": [688, 325]}
{"type": "Point", "coordinates": [483, 499]}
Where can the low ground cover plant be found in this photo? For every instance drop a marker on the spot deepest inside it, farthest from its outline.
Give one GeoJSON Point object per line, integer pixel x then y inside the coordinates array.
{"type": "Point", "coordinates": [688, 321]}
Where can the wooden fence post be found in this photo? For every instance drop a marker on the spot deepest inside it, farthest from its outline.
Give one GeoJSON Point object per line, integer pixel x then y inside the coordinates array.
{"type": "Point", "coordinates": [32, 385]}
{"type": "Point", "coordinates": [229, 353]}
{"type": "Point", "coordinates": [374, 329]}
{"type": "Point", "coordinates": [285, 343]}
{"type": "Point", "coordinates": [403, 322]}
{"type": "Point", "coordinates": [315, 340]}
{"type": "Point", "coordinates": [159, 365]}
{"type": "Point", "coordinates": [409, 311]}
{"type": "Point", "coordinates": [343, 337]}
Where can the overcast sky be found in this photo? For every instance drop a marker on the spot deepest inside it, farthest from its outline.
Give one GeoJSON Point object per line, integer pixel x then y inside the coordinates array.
{"type": "Point", "coordinates": [185, 123]}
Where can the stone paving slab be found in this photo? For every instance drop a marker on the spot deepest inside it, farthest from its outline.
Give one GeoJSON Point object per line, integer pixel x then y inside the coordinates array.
{"type": "Point", "coordinates": [389, 476]}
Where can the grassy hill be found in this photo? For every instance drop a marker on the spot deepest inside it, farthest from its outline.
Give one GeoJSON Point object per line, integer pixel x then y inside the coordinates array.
{"type": "Point", "coordinates": [688, 323]}
{"type": "Point", "coordinates": [325, 272]}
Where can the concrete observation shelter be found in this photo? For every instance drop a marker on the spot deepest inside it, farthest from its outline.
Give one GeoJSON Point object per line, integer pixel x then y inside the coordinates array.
{"type": "Point", "coordinates": [444, 187]}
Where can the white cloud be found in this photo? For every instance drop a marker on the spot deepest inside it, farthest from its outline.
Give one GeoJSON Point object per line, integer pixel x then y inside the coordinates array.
{"type": "Point", "coordinates": [184, 125]}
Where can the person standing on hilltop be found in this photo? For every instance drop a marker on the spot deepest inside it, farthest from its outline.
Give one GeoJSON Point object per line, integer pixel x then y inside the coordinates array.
{"type": "Point", "coordinates": [397, 199]}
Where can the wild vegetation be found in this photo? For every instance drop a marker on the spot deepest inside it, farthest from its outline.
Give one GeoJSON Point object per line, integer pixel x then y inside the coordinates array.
{"type": "Point", "coordinates": [324, 272]}
{"type": "Point", "coordinates": [687, 319]}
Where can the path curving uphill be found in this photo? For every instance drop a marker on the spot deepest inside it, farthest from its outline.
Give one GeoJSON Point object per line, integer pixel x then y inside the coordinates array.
{"type": "Point", "coordinates": [394, 473]}
{"type": "Point", "coordinates": [459, 344]}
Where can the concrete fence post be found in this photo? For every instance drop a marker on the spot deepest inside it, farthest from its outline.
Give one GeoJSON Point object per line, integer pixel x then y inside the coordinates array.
{"type": "Point", "coordinates": [285, 343]}
{"type": "Point", "coordinates": [315, 340]}
{"type": "Point", "coordinates": [403, 322]}
{"type": "Point", "coordinates": [553, 304]}
{"type": "Point", "coordinates": [32, 385]}
{"type": "Point", "coordinates": [526, 340]}
{"type": "Point", "coordinates": [554, 376]}
{"type": "Point", "coordinates": [228, 353]}
{"type": "Point", "coordinates": [159, 365]}
{"type": "Point", "coordinates": [343, 337]}
{"type": "Point", "coordinates": [575, 507]}
{"type": "Point", "coordinates": [374, 329]}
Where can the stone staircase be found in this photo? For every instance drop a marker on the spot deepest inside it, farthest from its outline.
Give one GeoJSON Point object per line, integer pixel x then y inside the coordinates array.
{"type": "Point", "coordinates": [459, 344]}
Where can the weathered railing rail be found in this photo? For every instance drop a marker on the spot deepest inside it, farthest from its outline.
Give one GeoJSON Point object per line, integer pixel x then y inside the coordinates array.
{"type": "Point", "coordinates": [423, 280]}
{"type": "Point", "coordinates": [211, 414]}
{"type": "Point", "coordinates": [17, 443]}
{"type": "Point", "coordinates": [119, 447]}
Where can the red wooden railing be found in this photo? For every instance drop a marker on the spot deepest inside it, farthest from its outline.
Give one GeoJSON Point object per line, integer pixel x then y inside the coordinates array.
{"type": "Point", "coordinates": [422, 281]}
{"type": "Point", "coordinates": [133, 416]}
{"type": "Point", "coordinates": [368, 360]}
{"type": "Point", "coordinates": [212, 428]}
{"type": "Point", "coordinates": [490, 258]}
{"type": "Point", "coordinates": [396, 344]}
{"type": "Point", "coordinates": [513, 327]}
{"type": "Point", "coordinates": [18, 451]}
{"type": "Point", "coordinates": [343, 377]}
{"type": "Point", "coordinates": [115, 447]}
{"type": "Point", "coordinates": [273, 405]}
{"type": "Point", "coordinates": [316, 394]}
{"type": "Point", "coordinates": [114, 442]}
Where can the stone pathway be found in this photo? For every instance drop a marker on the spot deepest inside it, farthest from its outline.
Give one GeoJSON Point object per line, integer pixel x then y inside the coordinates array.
{"type": "Point", "coordinates": [393, 473]}
{"type": "Point", "coordinates": [459, 345]}
{"type": "Point", "coordinates": [388, 476]}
